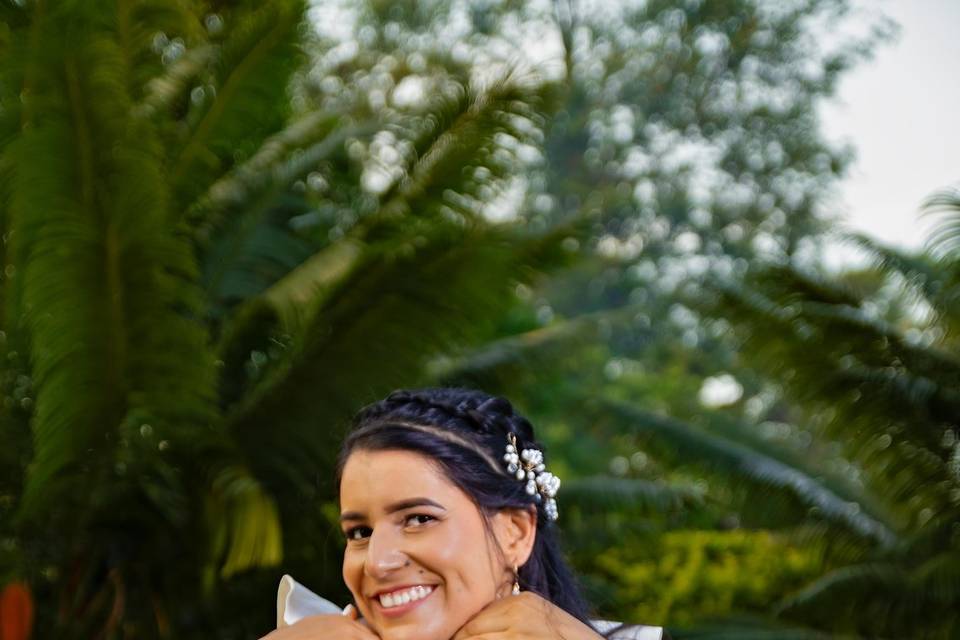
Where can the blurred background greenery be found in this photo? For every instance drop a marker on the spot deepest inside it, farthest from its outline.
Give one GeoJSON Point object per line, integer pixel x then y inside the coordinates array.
{"type": "Point", "coordinates": [228, 225]}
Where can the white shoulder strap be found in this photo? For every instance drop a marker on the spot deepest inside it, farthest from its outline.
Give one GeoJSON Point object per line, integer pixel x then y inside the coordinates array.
{"type": "Point", "coordinates": [629, 632]}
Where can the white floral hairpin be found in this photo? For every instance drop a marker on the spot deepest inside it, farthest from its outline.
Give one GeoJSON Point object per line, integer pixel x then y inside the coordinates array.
{"type": "Point", "coordinates": [528, 464]}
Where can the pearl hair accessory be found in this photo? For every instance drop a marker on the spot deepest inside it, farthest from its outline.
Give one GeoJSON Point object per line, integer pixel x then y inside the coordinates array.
{"type": "Point", "coordinates": [528, 464]}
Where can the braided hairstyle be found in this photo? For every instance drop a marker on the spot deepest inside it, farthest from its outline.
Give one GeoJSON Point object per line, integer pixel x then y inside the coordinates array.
{"type": "Point", "coordinates": [465, 432]}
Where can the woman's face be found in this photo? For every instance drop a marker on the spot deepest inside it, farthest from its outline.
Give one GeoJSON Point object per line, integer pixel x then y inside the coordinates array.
{"type": "Point", "coordinates": [418, 559]}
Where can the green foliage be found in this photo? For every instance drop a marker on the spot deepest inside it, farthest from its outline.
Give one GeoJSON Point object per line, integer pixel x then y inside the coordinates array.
{"type": "Point", "coordinates": [226, 228]}
{"type": "Point", "coordinates": [945, 237]}
{"type": "Point", "coordinates": [187, 325]}
{"type": "Point", "coordinates": [873, 362]}
{"type": "Point", "coordinates": [764, 471]}
{"type": "Point", "coordinates": [687, 577]}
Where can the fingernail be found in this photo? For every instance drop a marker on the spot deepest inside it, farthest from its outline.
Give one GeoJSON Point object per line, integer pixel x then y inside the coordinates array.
{"type": "Point", "coordinates": [348, 610]}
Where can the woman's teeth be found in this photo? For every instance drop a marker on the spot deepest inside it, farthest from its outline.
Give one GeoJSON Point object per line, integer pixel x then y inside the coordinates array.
{"type": "Point", "coordinates": [398, 598]}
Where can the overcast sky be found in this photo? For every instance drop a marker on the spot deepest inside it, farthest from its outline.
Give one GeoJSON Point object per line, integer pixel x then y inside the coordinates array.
{"type": "Point", "coordinates": [901, 111]}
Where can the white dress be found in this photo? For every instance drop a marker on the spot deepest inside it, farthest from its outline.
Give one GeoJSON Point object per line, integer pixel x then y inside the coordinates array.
{"type": "Point", "coordinates": [632, 632]}
{"type": "Point", "coordinates": [295, 601]}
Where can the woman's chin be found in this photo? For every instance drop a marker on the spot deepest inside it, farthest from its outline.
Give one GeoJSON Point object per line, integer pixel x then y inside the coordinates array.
{"type": "Point", "coordinates": [415, 631]}
{"type": "Point", "coordinates": [426, 621]}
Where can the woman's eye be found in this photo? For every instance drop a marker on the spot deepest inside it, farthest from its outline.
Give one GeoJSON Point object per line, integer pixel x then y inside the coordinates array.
{"type": "Point", "coordinates": [419, 519]}
{"type": "Point", "coordinates": [358, 533]}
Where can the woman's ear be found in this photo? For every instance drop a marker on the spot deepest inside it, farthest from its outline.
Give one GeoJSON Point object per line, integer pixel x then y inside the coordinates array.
{"type": "Point", "coordinates": [516, 531]}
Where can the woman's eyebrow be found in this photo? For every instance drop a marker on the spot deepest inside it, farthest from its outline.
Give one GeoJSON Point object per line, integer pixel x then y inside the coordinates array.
{"type": "Point", "coordinates": [351, 516]}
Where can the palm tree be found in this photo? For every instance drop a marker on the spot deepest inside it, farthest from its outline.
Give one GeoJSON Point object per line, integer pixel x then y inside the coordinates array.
{"type": "Point", "coordinates": [198, 291]}
{"type": "Point", "coordinates": [873, 360]}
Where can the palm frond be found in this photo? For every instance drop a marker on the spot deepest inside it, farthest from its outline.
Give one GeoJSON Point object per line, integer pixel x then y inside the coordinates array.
{"type": "Point", "coordinates": [883, 598]}
{"type": "Point", "coordinates": [756, 468]}
{"type": "Point", "coordinates": [865, 333]}
{"type": "Point", "coordinates": [534, 348]}
{"type": "Point", "coordinates": [293, 296]}
{"type": "Point", "coordinates": [164, 91]}
{"type": "Point", "coordinates": [879, 387]}
{"type": "Point", "coordinates": [939, 578]}
{"type": "Point", "coordinates": [283, 158]}
{"type": "Point", "coordinates": [629, 494]}
{"type": "Point", "coordinates": [835, 349]}
{"type": "Point", "coordinates": [140, 26]}
{"type": "Point", "coordinates": [857, 581]}
{"type": "Point", "coordinates": [94, 254]}
{"type": "Point", "coordinates": [282, 310]}
{"type": "Point", "coordinates": [256, 60]}
{"type": "Point", "coordinates": [917, 269]}
{"type": "Point", "coordinates": [246, 522]}
{"type": "Point", "coordinates": [461, 138]}
{"type": "Point", "coordinates": [890, 400]}
{"type": "Point", "coordinates": [944, 238]}
{"type": "Point", "coordinates": [243, 262]}
{"type": "Point", "coordinates": [375, 329]}
{"type": "Point", "coordinates": [12, 50]}
{"type": "Point", "coordinates": [934, 283]}
{"type": "Point", "coordinates": [14, 46]}
{"type": "Point", "coordinates": [233, 217]}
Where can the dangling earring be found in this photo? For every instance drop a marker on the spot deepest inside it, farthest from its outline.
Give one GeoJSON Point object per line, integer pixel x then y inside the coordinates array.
{"type": "Point", "coordinates": [516, 581]}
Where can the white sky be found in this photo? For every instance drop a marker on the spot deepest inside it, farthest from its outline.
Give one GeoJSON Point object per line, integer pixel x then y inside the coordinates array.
{"type": "Point", "coordinates": [901, 111]}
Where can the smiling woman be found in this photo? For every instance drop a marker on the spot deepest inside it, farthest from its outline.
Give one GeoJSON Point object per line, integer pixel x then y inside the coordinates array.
{"type": "Point", "coordinates": [419, 567]}
{"type": "Point", "coordinates": [448, 512]}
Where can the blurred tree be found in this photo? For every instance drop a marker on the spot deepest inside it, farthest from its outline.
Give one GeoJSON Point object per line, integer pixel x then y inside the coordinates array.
{"type": "Point", "coordinates": [872, 359]}
{"type": "Point", "coordinates": [201, 283]}
{"type": "Point", "coordinates": [688, 136]}
{"type": "Point", "coordinates": [700, 574]}
{"type": "Point", "coordinates": [857, 470]}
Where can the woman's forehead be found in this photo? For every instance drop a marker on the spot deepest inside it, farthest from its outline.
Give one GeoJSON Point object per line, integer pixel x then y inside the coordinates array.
{"type": "Point", "coordinates": [372, 479]}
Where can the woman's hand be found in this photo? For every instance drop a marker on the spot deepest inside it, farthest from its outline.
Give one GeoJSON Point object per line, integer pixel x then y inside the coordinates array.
{"type": "Point", "coordinates": [336, 626]}
{"type": "Point", "coordinates": [526, 616]}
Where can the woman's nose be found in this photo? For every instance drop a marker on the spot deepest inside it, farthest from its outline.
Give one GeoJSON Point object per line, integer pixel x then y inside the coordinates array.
{"type": "Point", "coordinates": [384, 555]}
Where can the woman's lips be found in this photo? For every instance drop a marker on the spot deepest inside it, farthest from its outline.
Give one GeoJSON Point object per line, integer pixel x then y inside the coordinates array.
{"type": "Point", "coordinates": [399, 610]}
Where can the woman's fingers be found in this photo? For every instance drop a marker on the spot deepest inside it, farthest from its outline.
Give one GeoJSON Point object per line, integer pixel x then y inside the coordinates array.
{"type": "Point", "coordinates": [499, 616]}
{"type": "Point", "coordinates": [526, 616]}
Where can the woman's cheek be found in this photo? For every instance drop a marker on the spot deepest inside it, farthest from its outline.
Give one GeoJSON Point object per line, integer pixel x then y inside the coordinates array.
{"type": "Point", "coordinates": [352, 571]}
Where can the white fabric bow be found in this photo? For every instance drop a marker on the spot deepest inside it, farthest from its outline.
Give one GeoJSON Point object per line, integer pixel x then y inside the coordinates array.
{"type": "Point", "coordinates": [295, 601]}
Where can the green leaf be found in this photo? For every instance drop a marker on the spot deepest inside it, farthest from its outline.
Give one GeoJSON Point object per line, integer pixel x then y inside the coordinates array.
{"type": "Point", "coordinates": [106, 286]}
{"type": "Point", "coordinates": [372, 330]}
{"type": "Point", "coordinates": [459, 141]}
{"type": "Point", "coordinates": [944, 239]}
{"type": "Point", "coordinates": [762, 470]}
{"type": "Point", "coordinates": [538, 347]}
{"type": "Point", "coordinates": [247, 523]}
{"type": "Point", "coordinates": [255, 62]}
{"type": "Point", "coordinates": [632, 494]}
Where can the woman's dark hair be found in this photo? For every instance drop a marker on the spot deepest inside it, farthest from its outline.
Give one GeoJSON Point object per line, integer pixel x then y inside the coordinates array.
{"type": "Point", "coordinates": [465, 433]}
